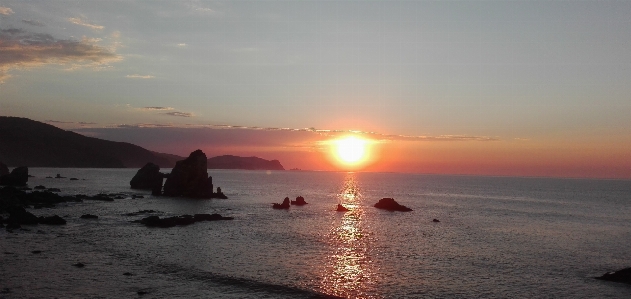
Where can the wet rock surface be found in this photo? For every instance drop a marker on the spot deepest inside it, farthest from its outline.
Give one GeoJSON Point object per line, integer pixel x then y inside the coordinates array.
{"type": "Point", "coordinates": [156, 221]}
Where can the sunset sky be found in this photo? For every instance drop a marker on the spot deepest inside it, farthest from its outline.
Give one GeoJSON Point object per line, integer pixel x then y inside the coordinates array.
{"type": "Point", "coordinates": [526, 88]}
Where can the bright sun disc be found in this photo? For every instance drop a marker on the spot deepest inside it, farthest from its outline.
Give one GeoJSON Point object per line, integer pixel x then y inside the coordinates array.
{"type": "Point", "coordinates": [350, 149]}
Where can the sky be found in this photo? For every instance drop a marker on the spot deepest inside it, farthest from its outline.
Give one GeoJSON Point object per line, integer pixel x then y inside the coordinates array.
{"type": "Point", "coordinates": [520, 88]}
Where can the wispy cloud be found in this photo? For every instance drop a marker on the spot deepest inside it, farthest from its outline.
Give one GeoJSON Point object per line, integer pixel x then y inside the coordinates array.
{"type": "Point", "coordinates": [155, 108]}
{"type": "Point", "coordinates": [136, 76]}
{"type": "Point", "coordinates": [181, 114]}
{"type": "Point", "coordinates": [5, 11]}
{"type": "Point", "coordinates": [33, 23]}
{"type": "Point", "coordinates": [197, 7]}
{"type": "Point", "coordinates": [20, 49]}
{"type": "Point", "coordinates": [82, 22]}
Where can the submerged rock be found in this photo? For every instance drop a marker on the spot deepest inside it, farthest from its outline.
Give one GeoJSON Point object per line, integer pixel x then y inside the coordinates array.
{"type": "Point", "coordinates": [155, 221]}
{"type": "Point", "coordinates": [148, 177]}
{"type": "Point", "coordinates": [283, 206]}
{"type": "Point", "coordinates": [300, 201]}
{"type": "Point", "coordinates": [341, 208]}
{"type": "Point", "coordinates": [89, 216]}
{"type": "Point", "coordinates": [391, 205]}
{"type": "Point", "coordinates": [17, 177]}
{"type": "Point", "coordinates": [623, 275]}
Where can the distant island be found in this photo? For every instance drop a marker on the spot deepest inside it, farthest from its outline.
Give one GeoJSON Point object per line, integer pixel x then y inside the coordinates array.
{"type": "Point", "coordinates": [25, 142]}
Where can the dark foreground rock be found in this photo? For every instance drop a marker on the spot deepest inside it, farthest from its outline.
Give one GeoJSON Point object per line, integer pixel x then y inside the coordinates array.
{"type": "Point", "coordinates": [300, 201]}
{"type": "Point", "coordinates": [391, 205]}
{"type": "Point", "coordinates": [189, 178]}
{"type": "Point", "coordinates": [17, 177]}
{"type": "Point", "coordinates": [4, 170]}
{"type": "Point", "coordinates": [89, 216]}
{"type": "Point", "coordinates": [341, 208]}
{"type": "Point", "coordinates": [283, 206]}
{"type": "Point", "coordinates": [155, 221]}
{"type": "Point", "coordinates": [623, 275]}
{"type": "Point", "coordinates": [148, 177]}
{"type": "Point", "coordinates": [52, 220]}
{"type": "Point", "coordinates": [19, 215]}
{"type": "Point", "coordinates": [11, 196]}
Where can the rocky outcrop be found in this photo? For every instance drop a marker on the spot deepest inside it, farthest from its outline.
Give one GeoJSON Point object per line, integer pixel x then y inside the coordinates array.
{"type": "Point", "coordinates": [283, 206]}
{"type": "Point", "coordinates": [623, 275]}
{"type": "Point", "coordinates": [189, 178]}
{"type": "Point", "coordinates": [17, 177]}
{"type": "Point", "coordinates": [4, 170]}
{"type": "Point", "coordinates": [19, 215]}
{"type": "Point", "coordinates": [52, 220]}
{"type": "Point", "coordinates": [300, 201]}
{"type": "Point", "coordinates": [155, 221]}
{"type": "Point", "coordinates": [148, 177]}
{"type": "Point", "coordinates": [341, 208]}
{"type": "Point", "coordinates": [391, 205]}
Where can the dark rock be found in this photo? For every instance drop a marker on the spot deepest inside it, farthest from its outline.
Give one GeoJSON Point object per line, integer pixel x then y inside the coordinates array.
{"type": "Point", "coordinates": [219, 194]}
{"type": "Point", "coordinates": [74, 179]}
{"type": "Point", "coordinates": [141, 212]}
{"type": "Point", "coordinates": [17, 177]}
{"type": "Point", "coordinates": [128, 274]}
{"type": "Point", "coordinates": [54, 190]}
{"type": "Point", "coordinates": [12, 226]}
{"type": "Point", "coordinates": [391, 205]}
{"type": "Point", "coordinates": [148, 177]}
{"type": "Point", "coordinates": [623, 275]}
{"type": "Point", "coordinates": [52, 220]}
{"type": "Point", "coordinates": [20, 216]}
{"type": "Point", "coordinates": [101, 197]}
{"type": "Point", "coordinates": [435, 220]}
{"type": "Point", "coordinates": [4, 170]}
{"type": "Point", "coordinates": [49, 177]}
{"type": "Point", "coordinates": [39, 187]}
{"type": "Point", "coordinates": [341, 208]}
{"type": "Point", "coordinates": [283, 206]}
{"type": "Point", "coordinates": [89, 216]}
{"type": "Point", "coordinates": [300, 201]}
{"type": "Point", "coordinates": [79, 265]}
{"type": "Point", "coordinates": [155, 221]}
{"type": "Point", "coordinates": [142, 293]}
{"type": "Point", "coordinates": [189, 178]}
{"type": "Point", "coordinates": [58, 176]}
{"type": "Point", "coordinates": [36, 251]}
{"type": "Point", "coordinates": [137, 196]}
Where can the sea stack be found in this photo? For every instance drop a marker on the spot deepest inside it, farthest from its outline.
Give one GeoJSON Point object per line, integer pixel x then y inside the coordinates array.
{"type": "Point", "coordinates": [147, 177]}
{"type": "Point", "coordinates": [300, 201]}
{"type": "Point", "coordinates": [17, 177]}
{"type": "Point", "coordinates": [189, 178]}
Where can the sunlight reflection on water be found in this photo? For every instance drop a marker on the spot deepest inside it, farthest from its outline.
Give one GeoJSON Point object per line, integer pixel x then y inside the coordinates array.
{"type": "Point", "coordinates": [349, 271]}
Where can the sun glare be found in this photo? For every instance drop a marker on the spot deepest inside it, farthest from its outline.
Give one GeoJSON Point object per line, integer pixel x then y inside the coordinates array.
{"type": "Point", "coordinates": [351, 150]}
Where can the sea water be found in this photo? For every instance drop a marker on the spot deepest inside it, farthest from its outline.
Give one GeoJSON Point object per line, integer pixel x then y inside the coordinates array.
{"type": "Point", "coordinates": [497, 237]}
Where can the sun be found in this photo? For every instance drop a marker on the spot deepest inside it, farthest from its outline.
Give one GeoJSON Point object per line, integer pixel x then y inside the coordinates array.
{"type": "Point", "coordinates": [350, 150]}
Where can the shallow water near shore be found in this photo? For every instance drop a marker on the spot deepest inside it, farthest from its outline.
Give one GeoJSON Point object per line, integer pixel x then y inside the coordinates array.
{"type": "Point", "coordinates": [497, 237]}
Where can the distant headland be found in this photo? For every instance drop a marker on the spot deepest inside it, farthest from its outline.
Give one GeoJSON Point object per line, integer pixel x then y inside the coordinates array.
{"type": "Point", "coordinates": [25, 142]}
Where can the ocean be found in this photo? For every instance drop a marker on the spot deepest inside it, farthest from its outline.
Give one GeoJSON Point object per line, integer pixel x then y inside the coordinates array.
{"type": "Point", "coordinates": [498, 237]}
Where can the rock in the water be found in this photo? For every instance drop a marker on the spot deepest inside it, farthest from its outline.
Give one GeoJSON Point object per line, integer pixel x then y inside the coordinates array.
{"type": "Point", "coordinates": [52, 220]}
{"type": "Point", "coordinates": [623, 275]}
{"type": "Point", "coordinates": [89, 216]}
{"type": "Point", "coordinates": [39, 187]}
{"type": "Point", "coordinates": [148, 177]}
{"type": "Point", "coordinates": [20, 216]}
{"type": "Point", "coordinates": [4, 170]}
{"type": "Point", "coordinates": [74, 179]}
{"type": "Point", "coordinates": [155, 221]}
{"type": "Point", "coordinates": [300, 201]}
{"type": "Point", "coordinates": [79, 265]}
{"type": "Point", "coordinates": [435, 220]}
{"type": "Point", "coordinates": [190, 178]}
{"type": "Point", "coordinates": [341, 208]}
{"type": "Point", "coordinates": [283, 206]}
{"type": "Point", "coordinates": [17, 177]}
{"type": "Point", "coordinates": [391, 205]}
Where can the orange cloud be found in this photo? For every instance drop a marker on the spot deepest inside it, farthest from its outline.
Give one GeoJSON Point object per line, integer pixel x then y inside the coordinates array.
{"type": "Point", "coordinates": [5, 11]}
{"type": "Point", "coordinates": [22, 50]}
{"type": "Point", "coordinates": [79, 21]}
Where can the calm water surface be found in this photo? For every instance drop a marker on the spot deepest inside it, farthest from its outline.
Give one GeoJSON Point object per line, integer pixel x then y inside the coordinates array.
{"type": "Point", "coordinates": [497, 238]}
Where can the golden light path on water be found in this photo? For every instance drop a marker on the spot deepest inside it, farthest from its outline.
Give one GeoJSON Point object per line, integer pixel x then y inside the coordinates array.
{"type": "Point", "coordinates": [349, 271]}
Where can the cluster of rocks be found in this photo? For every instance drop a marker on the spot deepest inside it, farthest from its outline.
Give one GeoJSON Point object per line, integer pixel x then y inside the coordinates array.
{"type": "Point", "coordinates": [189, 178]}
{"type": "Point", "coordinates": [18, 216]}
{"type": "Point", "coordinates": [156, 221]}
{"type": "Point", "coordinates": [300, 201]}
